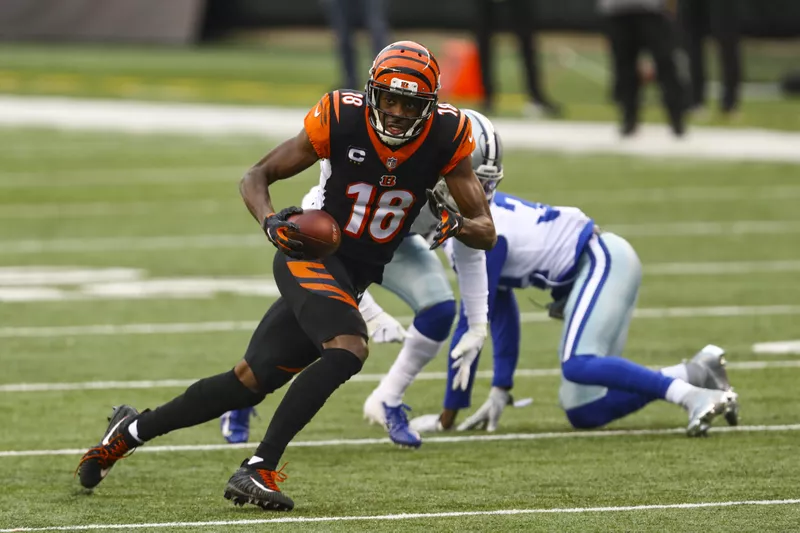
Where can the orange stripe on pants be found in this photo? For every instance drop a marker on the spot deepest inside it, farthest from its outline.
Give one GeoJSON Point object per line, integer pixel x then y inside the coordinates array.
{"type": "Point", "coordinates": [303, 269]}
{"type": "Point", "coordinates": [339, 294]}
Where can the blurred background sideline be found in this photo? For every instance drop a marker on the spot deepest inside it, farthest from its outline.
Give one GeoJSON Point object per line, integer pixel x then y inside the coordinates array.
{"type": "Point", "coordinates": [284, 54]}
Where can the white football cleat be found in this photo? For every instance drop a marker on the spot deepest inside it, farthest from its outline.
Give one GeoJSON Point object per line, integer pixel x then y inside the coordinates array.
{"type": "Point", "coordinates": [704, 405]}
{"type": "Point", "coordinates": [374, 413]}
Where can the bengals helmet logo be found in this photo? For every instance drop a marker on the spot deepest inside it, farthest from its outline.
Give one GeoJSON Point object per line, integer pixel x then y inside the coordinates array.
{"type": "Point", "coordinates": [388, 180]}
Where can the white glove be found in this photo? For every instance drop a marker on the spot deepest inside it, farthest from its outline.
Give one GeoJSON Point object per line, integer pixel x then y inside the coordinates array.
{"type": "Point", "coordinates": [488, 416]}
{"type": "Point", "coordinates": [465, 352]}
{"type": "Point", "coordinates": [383, 327]}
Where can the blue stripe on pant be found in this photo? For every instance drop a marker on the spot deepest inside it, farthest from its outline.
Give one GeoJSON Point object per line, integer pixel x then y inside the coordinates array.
{"type": "Point", "coordinates": [600, 386]}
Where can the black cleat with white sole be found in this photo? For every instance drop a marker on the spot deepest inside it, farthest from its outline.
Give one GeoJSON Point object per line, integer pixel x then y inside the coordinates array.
{"type": "Point", "coordinates": [115, 445]}
{"type": "Point", "coordinates": [258, 486]}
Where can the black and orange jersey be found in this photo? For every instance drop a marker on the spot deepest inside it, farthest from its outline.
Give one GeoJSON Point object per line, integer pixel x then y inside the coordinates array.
{"type": "Point", "coordinates": [375, 191]}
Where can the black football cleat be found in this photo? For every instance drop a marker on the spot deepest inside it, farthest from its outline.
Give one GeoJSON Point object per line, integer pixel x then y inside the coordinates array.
{"type": "Point", "coordinates": [97, 462]}
{"type": "Point", "coordinates": [258, 486]}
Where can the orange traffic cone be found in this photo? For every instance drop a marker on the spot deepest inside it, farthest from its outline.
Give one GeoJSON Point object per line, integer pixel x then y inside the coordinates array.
{"type": "Point", "coordinates": [461, 71]}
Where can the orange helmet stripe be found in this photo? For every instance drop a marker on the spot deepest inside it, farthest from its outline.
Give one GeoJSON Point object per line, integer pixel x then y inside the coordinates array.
{"type": "Point", "coordinates": [411, 46]}
{"type": "Point", "coordinates": [394, 67]}
{"type": "Point", "coordinates": [420, 63]}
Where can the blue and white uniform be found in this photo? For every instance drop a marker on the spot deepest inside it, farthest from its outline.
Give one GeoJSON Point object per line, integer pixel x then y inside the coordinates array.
{"type": "Point", "coordinates": [560, 248]}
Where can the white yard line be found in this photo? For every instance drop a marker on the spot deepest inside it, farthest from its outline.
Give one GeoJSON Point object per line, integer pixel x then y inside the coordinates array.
{"type": "Point", "coordinates": [53, 284]}
{"type": "Point", "coordinates": [126, 329]}
{"type": "Point", "coordinates": [107, 244]}
{"type": "Point", "coordinates": [722, 193]}
{"type": "Point", "coordinates": [407, 516]}
{"type": "Point", "coordinates": [250, 240]}
{"type": "Point", "coordinates": [120, 177]}
{"type": "Point", "coordinates": [777, 347]}
{"type": "Point", "coordinates": [689, 229]}
{"type": "Point", "coordinates": [207, 327]}
{"type": "Point", "coordinates": [114, 209]}
{"type": "Point", "coordinates": [558, 136]}
{"type": "Point", "coordinates": [493, 437]}
{"type": "Point", "coordinates": [368, 378]}
{"type": "Point", "coordinates": [722, 267]}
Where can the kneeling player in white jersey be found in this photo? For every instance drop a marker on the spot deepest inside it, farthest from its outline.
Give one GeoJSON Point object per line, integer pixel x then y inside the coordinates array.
{"type": "Point", "coordinates": [416, 275]}
{"type": "Point", "coordinates": [594, 277]}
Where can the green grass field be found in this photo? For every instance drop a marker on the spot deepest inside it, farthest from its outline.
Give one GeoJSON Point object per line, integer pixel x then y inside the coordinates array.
{"type": "Point", "coordinates": [169, 206]}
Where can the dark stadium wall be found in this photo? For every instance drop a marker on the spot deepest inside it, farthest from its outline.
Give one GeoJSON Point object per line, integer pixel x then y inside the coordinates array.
{"type": "Point", "coordinates": [128, 21]}
{"type": "Point", "coordinates": [760, 18]}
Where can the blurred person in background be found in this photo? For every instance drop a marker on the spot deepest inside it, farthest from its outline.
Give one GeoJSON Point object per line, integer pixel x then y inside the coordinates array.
{"type": "Point", "coordinates": [633, 26]}
{"type": "Point", "coordinates": [344, 16]}
{"type": "Point", "coordinates": [522, 24]}
{"type": "Point", "coordinates": [719, 18]}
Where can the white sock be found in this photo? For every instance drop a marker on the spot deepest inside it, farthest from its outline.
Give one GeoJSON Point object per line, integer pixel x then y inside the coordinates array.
{"type": "Point", "coordinates": [678, 391]}
{"type": "Point", "coordinates": [255, 459]}
{"type": "Point", "coordinates": [418, 350]}
{"type": "Point", "coordinates": [676, 371]}
{"type": "Point", "coordinates": [133, 429]}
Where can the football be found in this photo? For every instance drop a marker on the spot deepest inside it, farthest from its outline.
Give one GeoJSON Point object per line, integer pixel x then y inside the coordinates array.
{"type": "Point", "coordinates": [319, 233]}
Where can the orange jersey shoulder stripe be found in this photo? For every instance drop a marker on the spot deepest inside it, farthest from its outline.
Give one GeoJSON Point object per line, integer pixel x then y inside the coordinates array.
{"type": "Point", "coordinates": [336, 104]}
{"type": "Point", "coordinates": [318, 127]}
{"type": "Point", "coordinates": [460, 125]}
{"type": "Point", "coordinates": [465, 147]}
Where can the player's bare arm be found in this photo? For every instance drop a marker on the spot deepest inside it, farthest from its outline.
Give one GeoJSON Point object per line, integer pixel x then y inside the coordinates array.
{"type": "Point", "coordinates": [286, 160]}
{"type": "Point", "coordinates": [467, 191]}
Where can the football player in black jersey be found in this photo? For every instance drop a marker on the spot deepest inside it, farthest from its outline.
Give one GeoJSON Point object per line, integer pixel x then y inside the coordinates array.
{"type": "Point", "coordinates": [382, 152]}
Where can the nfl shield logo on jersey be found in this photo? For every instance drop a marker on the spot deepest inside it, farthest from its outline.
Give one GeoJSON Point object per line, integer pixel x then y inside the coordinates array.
{"type": "Point", "coordinates": [391, 162]}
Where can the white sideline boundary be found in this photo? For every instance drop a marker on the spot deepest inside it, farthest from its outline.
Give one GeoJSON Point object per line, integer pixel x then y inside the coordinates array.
{"type": "Point", "coordinates": [557, 136]}
{"type": "Point", "coordinates": [428, 440]}
{"type": "Point", "coordinates": [230, 326]}
{"type": "Point", "coordinates": [363, 378]}
{"type": "Point", "coordinates": [407, 516]}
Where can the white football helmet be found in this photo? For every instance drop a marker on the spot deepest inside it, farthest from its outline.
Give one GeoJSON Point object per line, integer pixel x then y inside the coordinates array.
{"type": "Point", "coordinates": [487, 158]}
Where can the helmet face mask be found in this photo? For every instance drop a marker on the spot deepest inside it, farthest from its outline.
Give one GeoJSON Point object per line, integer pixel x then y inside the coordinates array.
{"type": "Point", "coordinates": [381, 118]}
{"type": "Point", "coordinates": [489, 176]}
{"type": "Point", "coordinates": [409, 71]}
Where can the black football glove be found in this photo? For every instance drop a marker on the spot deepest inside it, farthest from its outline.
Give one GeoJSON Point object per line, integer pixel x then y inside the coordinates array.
{"type": "Point", "coordinates": [276, 225]}
{"type": "Point", "coordinates": [450, 221]}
